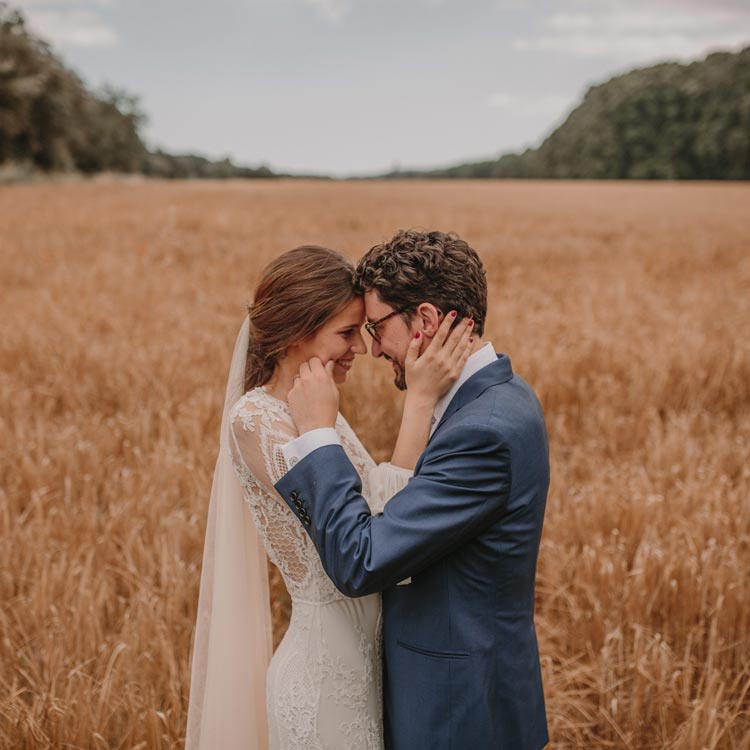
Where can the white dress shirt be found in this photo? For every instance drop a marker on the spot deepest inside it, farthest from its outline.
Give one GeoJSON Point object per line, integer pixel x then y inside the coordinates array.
{"type": "Point", "coordinates": [307, 442]}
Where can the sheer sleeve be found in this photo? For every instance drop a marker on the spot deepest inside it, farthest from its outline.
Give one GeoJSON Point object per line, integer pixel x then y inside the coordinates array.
{"type": "Point", "coordinates": [258, 430]}
{"type": "Point", "coordinates": [385, 481]}
{"type": "Point", "coordinates": [257, 438]}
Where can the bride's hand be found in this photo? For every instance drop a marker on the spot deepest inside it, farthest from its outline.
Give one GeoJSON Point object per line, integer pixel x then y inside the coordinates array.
{"type": "Point", "coordinates": [432, 374]}
{"type": "Point", "coordinates": [314, 398]}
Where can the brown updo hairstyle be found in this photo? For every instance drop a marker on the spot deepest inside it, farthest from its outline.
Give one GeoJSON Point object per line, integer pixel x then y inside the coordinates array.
{"type": "Point", "coordinates": [296, 294]}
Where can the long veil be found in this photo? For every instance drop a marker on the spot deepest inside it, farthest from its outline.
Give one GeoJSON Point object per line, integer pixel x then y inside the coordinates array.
{"type": "Point", "coordinates": [233, 644]}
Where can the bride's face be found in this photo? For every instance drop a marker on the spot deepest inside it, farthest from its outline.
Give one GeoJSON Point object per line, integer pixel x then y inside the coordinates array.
{"type": "Point", "coordinates": [338, 339]}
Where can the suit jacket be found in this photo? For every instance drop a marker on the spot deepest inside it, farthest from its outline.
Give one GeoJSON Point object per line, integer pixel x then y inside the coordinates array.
{"type": "Point", "coordinates": [461, 659]}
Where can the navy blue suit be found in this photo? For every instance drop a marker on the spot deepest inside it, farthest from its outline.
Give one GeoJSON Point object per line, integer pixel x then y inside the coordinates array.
{"type": "Point", "coordinates": [461, 660]}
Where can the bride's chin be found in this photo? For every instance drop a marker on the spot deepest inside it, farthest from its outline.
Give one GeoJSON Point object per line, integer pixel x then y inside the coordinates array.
{"type": "Point", "coordinates": [340, 374]}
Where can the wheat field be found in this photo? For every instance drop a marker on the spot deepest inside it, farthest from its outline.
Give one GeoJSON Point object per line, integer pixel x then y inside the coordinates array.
{"type": "Point", "coordinates": [625, 305]}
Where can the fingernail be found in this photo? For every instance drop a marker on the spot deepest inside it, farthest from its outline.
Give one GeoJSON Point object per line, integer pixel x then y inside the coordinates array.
{"type": "Point", "coordinates": [471, 323]}
{"type": "Point", "coordinates": [471, 340]}
{"type": "Point", "coordinates": [417, 334]}
{"type": "Point", "coordinates": [453, 314]}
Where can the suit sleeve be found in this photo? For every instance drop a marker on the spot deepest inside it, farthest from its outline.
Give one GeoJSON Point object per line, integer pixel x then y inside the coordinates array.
{"type": "Point", "coordinates": [461, 487]}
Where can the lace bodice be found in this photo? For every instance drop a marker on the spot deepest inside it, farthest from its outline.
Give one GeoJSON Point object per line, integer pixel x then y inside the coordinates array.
{"type": "Point", "coordinates": [260, 424]}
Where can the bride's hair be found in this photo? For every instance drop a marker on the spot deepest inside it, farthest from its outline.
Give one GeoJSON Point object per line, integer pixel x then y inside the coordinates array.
{"type": "Point", "coordinates": [296, 294]}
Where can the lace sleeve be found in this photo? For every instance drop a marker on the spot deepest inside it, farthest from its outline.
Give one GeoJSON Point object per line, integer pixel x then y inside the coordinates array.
{"type": "Point", "coordinates": [258, 430]}
{"type": "Point", "coordinates": [385, 481]}
{"type": "Point", "coordinates": [258, 434]}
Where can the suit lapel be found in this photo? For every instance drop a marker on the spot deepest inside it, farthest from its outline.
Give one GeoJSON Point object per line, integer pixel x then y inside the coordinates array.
{"type": "Point", "coordinates": [500, 371]}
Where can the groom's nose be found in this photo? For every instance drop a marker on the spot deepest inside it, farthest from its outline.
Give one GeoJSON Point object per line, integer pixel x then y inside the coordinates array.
{"type": "Point", "coordinates": [375, 349]}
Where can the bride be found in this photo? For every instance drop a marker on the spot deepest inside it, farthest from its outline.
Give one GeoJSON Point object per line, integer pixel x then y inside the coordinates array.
{"type": "Point", "coordinates": [321, 690]}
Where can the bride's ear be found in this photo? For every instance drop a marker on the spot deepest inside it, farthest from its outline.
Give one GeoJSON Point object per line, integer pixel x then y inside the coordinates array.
{"type": "Point", "coordinates": [430, 318]}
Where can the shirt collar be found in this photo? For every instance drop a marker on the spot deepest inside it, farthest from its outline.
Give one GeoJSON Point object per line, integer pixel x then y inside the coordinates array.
{"type": "Point", "coordinates": [479, 359]}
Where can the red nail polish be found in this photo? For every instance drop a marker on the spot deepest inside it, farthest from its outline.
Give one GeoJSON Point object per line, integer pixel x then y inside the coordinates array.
{"type": "Point", "coordinates": [417, 334]}
{"type": "Point", "coordinates": [471, 323]}
{"type": "Point", "coordinates": [453, 314]}
{"type": "Point", "coordinates": [471, 340]}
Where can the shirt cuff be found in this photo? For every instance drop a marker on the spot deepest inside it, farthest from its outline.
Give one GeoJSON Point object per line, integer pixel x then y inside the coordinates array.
{"type": "Point", "coordinates": [307, 442]}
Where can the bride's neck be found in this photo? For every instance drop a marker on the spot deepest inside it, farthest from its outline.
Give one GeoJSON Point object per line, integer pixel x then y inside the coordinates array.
{"type": "Point", "coordinates": [282, 380]}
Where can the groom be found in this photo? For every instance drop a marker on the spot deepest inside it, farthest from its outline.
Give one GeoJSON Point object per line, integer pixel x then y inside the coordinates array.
{"type": "Point", "coordinates": [461, 660]}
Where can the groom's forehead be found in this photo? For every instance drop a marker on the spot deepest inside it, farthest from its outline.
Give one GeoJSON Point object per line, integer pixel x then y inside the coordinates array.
{"type": "Point", "coordinates": [374, 306]}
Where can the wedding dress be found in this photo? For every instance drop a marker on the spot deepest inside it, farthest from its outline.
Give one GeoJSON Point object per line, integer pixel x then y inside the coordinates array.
{"type": "Point", "coordinates": [324, 683]}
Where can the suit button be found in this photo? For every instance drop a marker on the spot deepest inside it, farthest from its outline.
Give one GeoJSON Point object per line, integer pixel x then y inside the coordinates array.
{"type": "Point", "coordinates": [306, 520]}
{"type": "Point", "coordinates": [294, 494]}
{"type": "Point", "coordinates": [298, 503]}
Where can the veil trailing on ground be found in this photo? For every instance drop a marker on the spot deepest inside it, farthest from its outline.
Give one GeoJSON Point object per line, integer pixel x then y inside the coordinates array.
{"type": "Point", "coordinates": [233, 645]}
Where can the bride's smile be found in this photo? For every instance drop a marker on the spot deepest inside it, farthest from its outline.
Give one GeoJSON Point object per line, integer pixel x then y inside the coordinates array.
{"type": "Point", "coordinates": [345, 364]}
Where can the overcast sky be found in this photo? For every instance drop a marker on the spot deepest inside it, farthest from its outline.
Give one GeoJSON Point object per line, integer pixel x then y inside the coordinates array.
{"type": "Point", "coordinates": [360, 86]}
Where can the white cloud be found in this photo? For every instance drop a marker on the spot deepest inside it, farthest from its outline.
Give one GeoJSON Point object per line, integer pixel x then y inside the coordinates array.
{"type": "Point", "coordinates": [654, 20]}
{"type": "Point", "coordinates": [332, 10]}
{"type": "Point", "coordinates": [636, 30]}
{"type": "Point", "coordinates": [667, 6]}
{"type": "Point", "coordinates": [71, 27]}
{"type": "Point", "coordinates": [500, 100]}
{"type": "Point", "coordinates": [629, 19]}
{"type": "Point", "coordinates": [58, 3]}
{"type": "Point", "coordinates": [634, 47]}
{"type": "Point", "coordinates": [69, 23]}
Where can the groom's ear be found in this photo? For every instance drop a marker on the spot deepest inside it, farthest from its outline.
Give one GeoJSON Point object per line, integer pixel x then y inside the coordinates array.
{"type": "Point", "coordinates": [429, 317]}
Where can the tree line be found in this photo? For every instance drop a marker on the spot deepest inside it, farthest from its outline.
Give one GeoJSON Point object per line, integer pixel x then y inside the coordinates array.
{"type": "Point", "coordinates": [50, 121]}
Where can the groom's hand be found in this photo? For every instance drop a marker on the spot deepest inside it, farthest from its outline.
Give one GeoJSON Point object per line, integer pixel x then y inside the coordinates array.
{"type": "Point", "coordinates": [314, 398]}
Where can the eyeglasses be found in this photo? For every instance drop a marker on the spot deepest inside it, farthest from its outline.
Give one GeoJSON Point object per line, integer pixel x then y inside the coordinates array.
{"type": "Point", "coordinates": [371, 326]}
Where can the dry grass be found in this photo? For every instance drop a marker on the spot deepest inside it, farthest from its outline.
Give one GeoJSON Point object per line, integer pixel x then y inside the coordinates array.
{"type": "Point", "coordinates": [627, 306]}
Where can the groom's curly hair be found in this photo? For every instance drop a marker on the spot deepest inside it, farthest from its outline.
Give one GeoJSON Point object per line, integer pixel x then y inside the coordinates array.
{"type": "Point", "coordinates": [417, 266]}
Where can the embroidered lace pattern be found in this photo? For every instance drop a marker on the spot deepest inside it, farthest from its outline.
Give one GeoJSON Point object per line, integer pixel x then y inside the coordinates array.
{"type": "Point", "coordinates": [325, 679]}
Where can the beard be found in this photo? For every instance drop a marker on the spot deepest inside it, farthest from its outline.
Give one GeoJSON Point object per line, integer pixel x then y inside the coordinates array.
{"type": "Point", "coordinates": [400, 380]}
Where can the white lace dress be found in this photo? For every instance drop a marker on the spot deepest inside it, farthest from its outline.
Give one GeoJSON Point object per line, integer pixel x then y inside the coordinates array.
{"type": "Point", "coordinates": [324, 686]}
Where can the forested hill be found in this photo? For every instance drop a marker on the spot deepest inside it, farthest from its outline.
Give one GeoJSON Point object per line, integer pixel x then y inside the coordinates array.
{"type": "Point", "coordinates": [668, 121]}
{"type": "Point", "coordinates": [50, 121]}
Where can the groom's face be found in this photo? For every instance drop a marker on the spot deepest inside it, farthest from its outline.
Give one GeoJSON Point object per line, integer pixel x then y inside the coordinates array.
{"type": "Point", "coordinates": [393, 334]}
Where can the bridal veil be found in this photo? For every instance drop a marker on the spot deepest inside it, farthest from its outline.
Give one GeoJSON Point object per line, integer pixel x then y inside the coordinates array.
{"type": "Point", "coordinates": [233, 643]}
